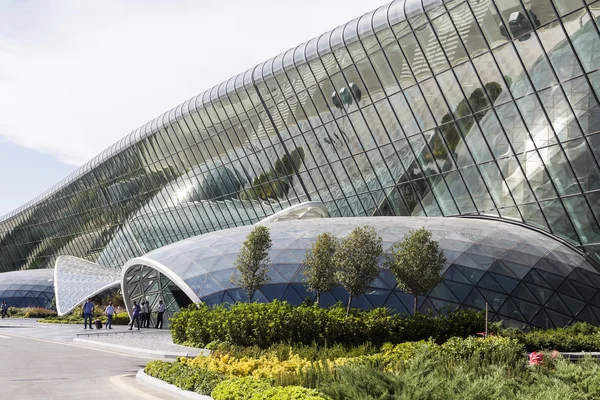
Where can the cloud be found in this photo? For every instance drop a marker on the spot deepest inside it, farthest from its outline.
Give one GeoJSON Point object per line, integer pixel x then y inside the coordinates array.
{"type": "Point", "coordinates": [77, 76]}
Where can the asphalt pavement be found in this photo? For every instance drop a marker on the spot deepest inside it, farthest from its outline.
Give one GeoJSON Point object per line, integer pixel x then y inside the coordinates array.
{"type": "Point", "coordinates": [39, 361]}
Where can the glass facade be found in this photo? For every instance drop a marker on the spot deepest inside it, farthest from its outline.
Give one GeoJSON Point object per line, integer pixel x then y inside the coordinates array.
{"type": "Point", "coordinates": [420, 108]}
{"type": "Point", "coordinates": [27, 288]}
{"type": "Point", "coordinates": [527, 277]}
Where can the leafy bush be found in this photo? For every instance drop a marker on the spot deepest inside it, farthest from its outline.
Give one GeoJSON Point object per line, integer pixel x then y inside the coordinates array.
{"type": "Point", "coordinates": [118, 319]}
{"type": "Point", "coordinates": [260, 324]}
{"type": "Point", "coordinates": [256, 389]}
{"type": "Point", "coordinates": [39, 312]}
{"type": "Point", "coordinates": [30, 312]}
{"type": "Point", "coordinates": [580, 336]}
{"type": "Point", "coordinates": [199, 380]}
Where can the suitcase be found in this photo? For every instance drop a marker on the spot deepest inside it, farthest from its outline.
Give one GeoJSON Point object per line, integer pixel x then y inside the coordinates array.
{"type": "Point", "coordinates": [98, 324]}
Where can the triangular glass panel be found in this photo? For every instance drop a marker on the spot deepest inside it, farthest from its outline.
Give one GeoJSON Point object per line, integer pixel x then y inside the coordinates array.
{"type": "Point", "coordinates": [362, 303]}
{"type": "Point", "coordinates": [273, 292]}
{"type": "Point", "coordinates": [552, 266]}
{"type": "Point", "coordinates": [466, 260]}
{"type": "Point", "coordinates": [488, 282]}
{"type": "Point", "coordinates": [407, 300]}
{"type": "Point", "coordinates": [285, 258]}
{"type": "Point", "coordinates": [527, 309]}
{"type": "Point", "coordinates": [541, 293]}
{"type": "Point", "coordinates": [427, 306]}
{"type": "Point", "coordinates": [560, 320]}
{"type": "Point", "coordinates": [213, 299]}
{"type": "Point", "coordinates": [586, 292]}
{"type": "Point", "coordinates": [587, 315]}
{"type": "Point", "coordinates": [454, 274]}
{"type": "Point", "coordinates": [473, 275]}
{"type": "Point", "coordinates": [510, 310]}
{"type": "Point", "coordinates": [292, 297]}
{"type": "Point", "coordinates": [259, 296]}
{"type": "Point", "coordinates": [210, 286]}
{"type": "Point", "coordinates": [393, 303]}
{"type": "Point", "coordinates": [533, 276]}
{"type": "Point", "coordinates": [340, 294]}
{"type": "Point", "coordinates": [506, 282]}
{"type": "Point", "coordinates": [542, 320]}
{"type": "Point", "coordinates": [569, 289]}
{"type": "Point", "coordinates": [461, 291]}
{"type": "Point", "coordinates": [556, 303]}
{"type": "Point", "coordinates": [574, 305]}
{"type": "Point", "coordinates": [275, 277]}
{"type": "Point", "coordinates": [494, 299]}
{"type": "Point", "coordinates": [501, 269]}
{"type": "Point", "coordinates": [525, 259]}
{"type": "Point", "coordinates": [378, 297]}
{"type": "Point", "coordinates": [238, 295]}
{"type": "Point", "coordinates": [442, 292]}
{"type": "Point", "coordinates": [287, 271]}
{"type": "Point", "coordinates": [227, 298]}
{"type": "Point", "coordinates": [523, 292]}
{"type": "Point", "coordinates": [475, 300]}
{"type": "Point", "coordinates": [223, 277]}
{"type": "Point", "coordinates": [553, 280]}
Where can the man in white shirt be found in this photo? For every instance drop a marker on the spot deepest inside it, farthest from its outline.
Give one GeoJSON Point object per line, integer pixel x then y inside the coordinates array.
{"type": "Point", "coordinates": [110, 311]}
{"type": "Point", "coordinates": [161, 312]}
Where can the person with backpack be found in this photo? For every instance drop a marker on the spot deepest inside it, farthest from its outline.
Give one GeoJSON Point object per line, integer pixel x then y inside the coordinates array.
{"type": "Point", "coordinates": [135, 317]}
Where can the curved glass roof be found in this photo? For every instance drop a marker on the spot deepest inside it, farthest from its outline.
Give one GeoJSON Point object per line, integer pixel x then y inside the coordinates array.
{"type": "Point", "coordinates": [77, 280]}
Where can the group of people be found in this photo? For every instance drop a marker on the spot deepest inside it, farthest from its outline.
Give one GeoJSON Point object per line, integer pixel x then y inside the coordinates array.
{"type": "Point", "coordinates": [142, 312]}
{"type": "Point", "coordinates": [4, 309]}
{"type": "Point", "coordinates": [88, 314]}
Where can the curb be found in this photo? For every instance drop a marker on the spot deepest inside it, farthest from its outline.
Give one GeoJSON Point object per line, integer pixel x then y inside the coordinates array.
{"type": "Point", "coordinates": [168, 388]}
{"type": "Point", "coordinates": [136, 351]}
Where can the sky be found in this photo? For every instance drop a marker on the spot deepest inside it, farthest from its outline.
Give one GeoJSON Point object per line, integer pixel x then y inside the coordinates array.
{"type": "Point", "coordinates": [78, 75]}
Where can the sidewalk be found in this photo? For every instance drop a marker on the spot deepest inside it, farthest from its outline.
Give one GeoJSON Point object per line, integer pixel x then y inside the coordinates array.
{"type": "Point", "coordinates": [149, 343]}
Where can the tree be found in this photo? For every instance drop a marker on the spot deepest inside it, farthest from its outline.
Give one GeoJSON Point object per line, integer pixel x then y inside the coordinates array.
{"type": "Point", "coordinates": [320, 269]}
{"type": "Point", "coordinates": [252, 262]}
{"type": "Point", "coordinates": [416, 263]}
{"type": "Point", "coordinates": [356, 261]}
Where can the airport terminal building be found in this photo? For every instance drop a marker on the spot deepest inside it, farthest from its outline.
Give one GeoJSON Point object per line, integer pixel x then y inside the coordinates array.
{"type": "Point", "coordinates": [477, 119]}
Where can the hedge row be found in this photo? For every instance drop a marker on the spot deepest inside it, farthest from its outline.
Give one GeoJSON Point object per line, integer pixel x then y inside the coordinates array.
{"type": "Point", "coordinates": [580, 336]}
{"type": "Point", "coordinates": [118, 319]}
{"type": "Point", "coordinates": [263, 324]}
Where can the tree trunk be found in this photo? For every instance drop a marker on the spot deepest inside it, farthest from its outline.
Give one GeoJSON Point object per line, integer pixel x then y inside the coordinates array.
{"type": "Point", "coordinates": [348, 306]}
{"type": "Point", "coordinates": [318, 297]}
{"type": "Point", "coordinates": [250, 293]}
{"type": "Point", "coordinates": [416, 300]}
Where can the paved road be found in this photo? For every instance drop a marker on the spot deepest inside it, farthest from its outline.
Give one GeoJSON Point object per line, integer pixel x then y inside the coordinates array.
{"type": "Point", "coordinates": [37, 368]}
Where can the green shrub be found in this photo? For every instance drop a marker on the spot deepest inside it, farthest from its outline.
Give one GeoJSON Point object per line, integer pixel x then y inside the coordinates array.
{"type": "Point", "coordinates": [254, 389]}
{"type": "Point", "coordinates": [30, 312]}
{"type": "Point", "coordinates": [199, 380]}
{"type": "Point", "coordinates": [260, 324]}
{"type": "Point", "coordinates": [577, 337]}
{"type": "Point", "coordinates": [39, 312]}
{"type": "Point", "coordinates": [118, 319]}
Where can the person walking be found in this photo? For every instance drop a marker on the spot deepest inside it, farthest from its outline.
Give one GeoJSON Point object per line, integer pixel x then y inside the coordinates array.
{"type": "Point", "coordinates": [135, 317]}
{"type": "Point", "coordinates": [4, 309]}
{"type": "Point", "coordinates": [110, 311]}
{"type": "Point", "coordinates": [159, 317]}
{"type": "Point", "coordinates": [88, 313]}
{"type": "Point", "coordinates": [146, 309]}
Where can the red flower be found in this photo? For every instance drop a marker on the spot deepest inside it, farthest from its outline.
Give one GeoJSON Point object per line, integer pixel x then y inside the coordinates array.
{"type": "Point", "coordinates": [536, 358]}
